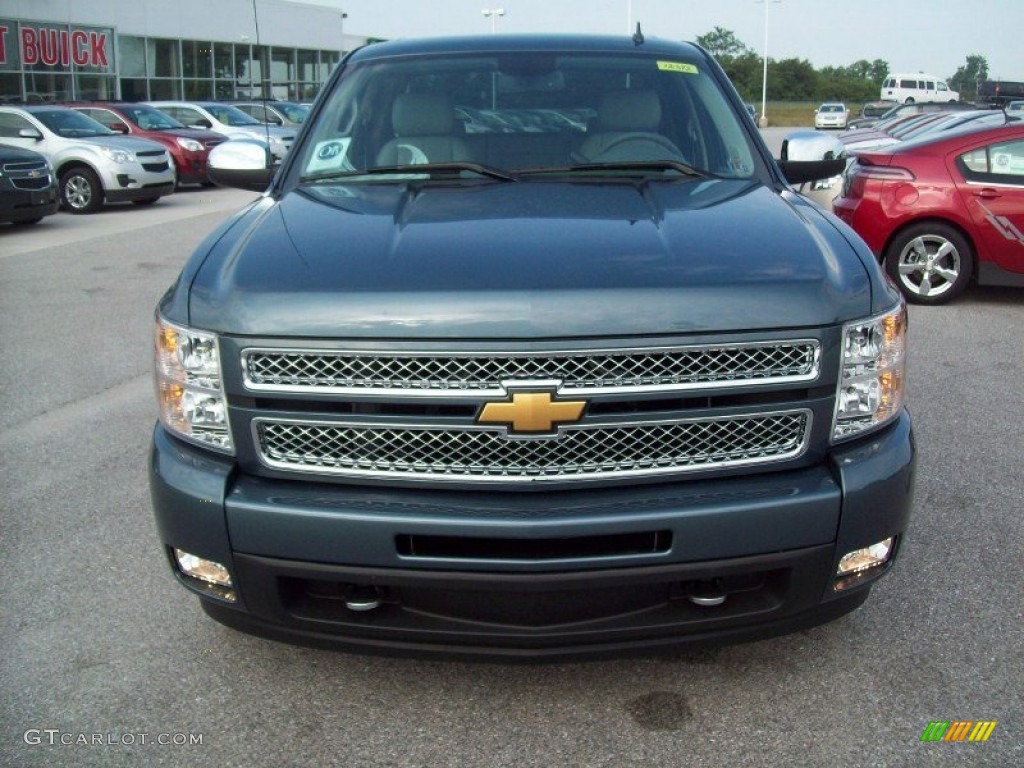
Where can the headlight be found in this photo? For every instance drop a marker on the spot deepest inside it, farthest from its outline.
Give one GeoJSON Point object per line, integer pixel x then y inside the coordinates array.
{"type": "Point", "coordinates": [189, 387]}
{"type": "Point", "coordinates": [117, 155]}
{"type": "Point", "coordinates": [871, 378]}
{"type": "Point", "coordinates": [190, 144]}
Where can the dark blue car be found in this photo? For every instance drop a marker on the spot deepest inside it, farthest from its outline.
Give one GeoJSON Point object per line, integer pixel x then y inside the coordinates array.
{"type": "Point", "coordinates": [529, 349]}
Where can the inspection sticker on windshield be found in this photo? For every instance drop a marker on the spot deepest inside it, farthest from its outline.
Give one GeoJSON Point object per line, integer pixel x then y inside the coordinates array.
{"type": "Point", "coordinates": [677, 66]}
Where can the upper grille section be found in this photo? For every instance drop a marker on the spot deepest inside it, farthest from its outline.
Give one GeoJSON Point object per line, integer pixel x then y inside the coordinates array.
{"type": "Point", "coordinates": [592, 372]}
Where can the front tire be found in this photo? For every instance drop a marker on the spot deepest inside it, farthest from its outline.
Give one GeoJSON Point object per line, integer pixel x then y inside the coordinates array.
{"type": "Point", "coordinates": [931, 262]}
{"type": "Point", "coordinates": [81, 191]}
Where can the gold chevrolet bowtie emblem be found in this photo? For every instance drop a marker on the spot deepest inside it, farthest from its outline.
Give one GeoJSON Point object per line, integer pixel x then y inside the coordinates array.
{"type": "Point", "coordinates": [532, 412]}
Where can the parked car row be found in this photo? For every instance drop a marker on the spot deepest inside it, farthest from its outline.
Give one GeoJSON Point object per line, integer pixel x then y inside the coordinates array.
{"type": "Point", "coordinates": [107, 152]}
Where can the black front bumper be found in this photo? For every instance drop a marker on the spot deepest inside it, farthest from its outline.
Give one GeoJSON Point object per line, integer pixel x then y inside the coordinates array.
{"type": "Point", "coordinates": [535, 616]}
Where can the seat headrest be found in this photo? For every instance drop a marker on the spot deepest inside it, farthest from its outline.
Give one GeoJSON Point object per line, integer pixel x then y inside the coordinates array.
{"type": "Point", "coordinates": [629, 111]}
{"type": "Point", "coordinates": [422, 114]}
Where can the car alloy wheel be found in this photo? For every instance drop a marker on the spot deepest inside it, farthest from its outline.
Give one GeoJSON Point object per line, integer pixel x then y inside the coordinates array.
{"type": "Point", "coordinates": [931, 263]}
{"type": "Point", "coordinates": [80, 191]}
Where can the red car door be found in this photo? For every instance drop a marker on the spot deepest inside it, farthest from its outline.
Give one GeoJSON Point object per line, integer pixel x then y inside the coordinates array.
{"type": "Point", "coordinates": [990, 179]}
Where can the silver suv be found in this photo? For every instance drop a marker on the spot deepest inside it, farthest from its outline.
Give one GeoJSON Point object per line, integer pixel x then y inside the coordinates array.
{"type": "Point", "coordinates": [93, 163]}
{"type": "Point", "coordinates": [229, 120]}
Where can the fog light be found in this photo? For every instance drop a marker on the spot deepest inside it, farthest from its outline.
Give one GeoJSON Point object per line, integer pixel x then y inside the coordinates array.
{"type": "Point", "coordinates": [861, 564]}
{"type": "Point", "coordinates": [206, 575]}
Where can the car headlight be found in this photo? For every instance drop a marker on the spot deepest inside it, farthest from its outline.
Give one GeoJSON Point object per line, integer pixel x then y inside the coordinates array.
{"type": "Point", "coordinates": [189, 144]}
{"type": "Point", "coordinates": [872, 374]}
{"type": "Point", "coordinates": [117, 155]}
{"type": "Point", "coordinates": [189, 386]}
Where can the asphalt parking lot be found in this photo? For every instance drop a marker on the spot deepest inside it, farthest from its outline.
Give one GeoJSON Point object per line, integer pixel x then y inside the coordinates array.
{"type": "Point", "coordinates": [108, 662]}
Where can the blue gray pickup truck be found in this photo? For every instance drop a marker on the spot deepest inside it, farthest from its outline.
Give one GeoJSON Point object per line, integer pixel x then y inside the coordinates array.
{"type": "Point", "coordinates": [529, 349]}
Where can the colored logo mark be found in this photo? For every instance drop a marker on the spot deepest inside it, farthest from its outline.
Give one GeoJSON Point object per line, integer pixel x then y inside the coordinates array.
{"type": "Point", "coordinates": [958, 730]}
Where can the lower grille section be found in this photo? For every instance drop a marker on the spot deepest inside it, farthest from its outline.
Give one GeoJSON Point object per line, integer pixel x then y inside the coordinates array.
{"type": "Point", "coordinates": [606, 451]}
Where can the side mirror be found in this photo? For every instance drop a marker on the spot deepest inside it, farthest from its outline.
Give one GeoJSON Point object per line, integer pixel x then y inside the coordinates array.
{"type": "Point", "coordinates": [30, 133]}
{"type": "Point", "coordinates": [119, 127]}
{"type": "Point", "coordinates": [810, 156]}
{"type": "Point", "coordinates": [241, 163]}
{"type": "Point", "coordinates": [274, 120]}
{"type": "Point", "coordinates": [202, 122]}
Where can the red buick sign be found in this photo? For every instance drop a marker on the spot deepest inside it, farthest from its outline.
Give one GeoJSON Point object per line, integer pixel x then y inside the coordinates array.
{"type": "Point", "coordinates": [50, 46]}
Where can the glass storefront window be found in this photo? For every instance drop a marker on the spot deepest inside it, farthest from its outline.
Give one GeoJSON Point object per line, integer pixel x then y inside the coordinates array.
{"type": "Point", "coordinates": [162, 58]}
{"type": "Point", "coordinates": [95, 87]}
{"type": "Point", "coordinates": [10, 86]}
{"type": "Point", "coordinates": [196, 58]}
{"type": "Point", "coordinates": [223, 61]}
{"type": "Point", "coordinates": [307, 64]}
{"type": "Point", "coordinates": [132, 56]}
{"type": "Point", "coordinates": [198, 90]}
{"type": "Point", "coordinates": [47, 87]}
{"type": "Point", "coordinates": [134, 89]}
{"type": "Point", "coordinates": [164, 89]}
{"type": "Point", "coordinates": [282, 65]}
{"type": "Point", "coordinates": [328, 60]}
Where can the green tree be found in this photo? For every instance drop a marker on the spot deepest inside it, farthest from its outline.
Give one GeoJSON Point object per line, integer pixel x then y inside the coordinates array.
{"type": "Point", "coordinates": [722, 42]}
{"type": "Point", "coordinates": [791, 80]}
{"type": "Point", "coordinates": [969, 75]}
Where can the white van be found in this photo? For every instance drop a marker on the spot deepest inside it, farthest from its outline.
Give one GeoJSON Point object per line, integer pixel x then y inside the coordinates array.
{"type": "Point", "coordinates": [916, 87]}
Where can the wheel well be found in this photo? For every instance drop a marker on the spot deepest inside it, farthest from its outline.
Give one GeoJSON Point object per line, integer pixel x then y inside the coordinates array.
{"type": "Point", "coordinates": [936, 220]}
{"type": "Point", "coordinates": [72, 164]}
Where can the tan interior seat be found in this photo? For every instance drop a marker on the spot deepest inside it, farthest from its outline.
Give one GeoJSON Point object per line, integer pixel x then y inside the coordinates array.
{"type": "Point", "coordinates": [627, 129]}
{"type": "Point", "coordinates": [425, 131]}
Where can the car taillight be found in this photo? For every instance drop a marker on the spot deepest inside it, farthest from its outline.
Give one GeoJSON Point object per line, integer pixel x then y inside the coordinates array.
{"type": "Point", "coordinates": [858, 174]}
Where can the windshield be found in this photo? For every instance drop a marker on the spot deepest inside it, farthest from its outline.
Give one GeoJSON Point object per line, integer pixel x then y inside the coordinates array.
{"type": "Point", "coordinates": [230, 115]}
{"type": "Point", "coordinates": [523, 112]}
{"type": "Point", "coordinates": [150, 119]}
{"type": "Point", "coordinates": [71, 124]}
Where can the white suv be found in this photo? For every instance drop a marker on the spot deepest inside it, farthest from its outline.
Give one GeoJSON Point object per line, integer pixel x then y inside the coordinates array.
{"type": "Point", "coordinates": [93, 163]}
{"type": "Point", "coordinates": [229, 120]}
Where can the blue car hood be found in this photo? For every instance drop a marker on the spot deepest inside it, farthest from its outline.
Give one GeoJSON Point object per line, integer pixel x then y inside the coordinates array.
{"type": "Point", "coordinates": [529, 259]}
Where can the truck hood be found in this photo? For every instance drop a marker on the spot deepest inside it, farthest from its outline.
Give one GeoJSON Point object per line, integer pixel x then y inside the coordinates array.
{"type": "Point", "coordinates": [528, 260]}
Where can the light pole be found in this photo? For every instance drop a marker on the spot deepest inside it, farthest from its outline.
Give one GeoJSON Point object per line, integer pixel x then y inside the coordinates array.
{"type": "Point", "coordinates": [764, 76]}
{"type": "Point", "coordinates": [493, 14]}
{"type": "Point", "coordinates": [342, 46]}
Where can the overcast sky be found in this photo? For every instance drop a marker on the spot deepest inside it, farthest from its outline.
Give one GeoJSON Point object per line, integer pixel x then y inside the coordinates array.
{"type": "Point", "coordinates": [933, 36]}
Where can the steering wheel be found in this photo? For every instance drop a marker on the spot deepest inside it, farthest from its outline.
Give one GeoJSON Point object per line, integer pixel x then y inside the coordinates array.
{"type": "Point", "coordinates": [651, 142]}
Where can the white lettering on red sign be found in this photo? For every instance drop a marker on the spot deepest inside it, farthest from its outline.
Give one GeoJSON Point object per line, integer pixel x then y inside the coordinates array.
{"type": "Point", "coordinates": [50, 47]}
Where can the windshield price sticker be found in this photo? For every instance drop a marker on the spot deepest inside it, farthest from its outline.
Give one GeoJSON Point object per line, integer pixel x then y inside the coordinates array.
{"type": "Point", "coordinates": [678, 66]}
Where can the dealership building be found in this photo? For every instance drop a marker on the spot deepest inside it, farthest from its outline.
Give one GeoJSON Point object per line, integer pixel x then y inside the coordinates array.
{"type": "Point", "coordinates": [135, 50]}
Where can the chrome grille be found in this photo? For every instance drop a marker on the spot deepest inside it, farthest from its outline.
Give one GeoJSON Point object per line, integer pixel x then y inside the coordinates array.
{"type": "Point", "coordinates": [597, 452]}
{"type": "Point", "coordinates": [29, 175]}
{"type": "Point", "coordinates": [593, 372]}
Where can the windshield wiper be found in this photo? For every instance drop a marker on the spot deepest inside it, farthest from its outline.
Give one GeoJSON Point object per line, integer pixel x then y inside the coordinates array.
{"type": "Point", "coordinates": [627, 165]}
{"type": "Point", "coordinates": [416, 170]}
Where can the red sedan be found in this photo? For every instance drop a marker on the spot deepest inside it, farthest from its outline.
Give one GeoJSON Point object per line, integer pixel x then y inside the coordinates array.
{"type": "Point", "coordinates": [942, 211]}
